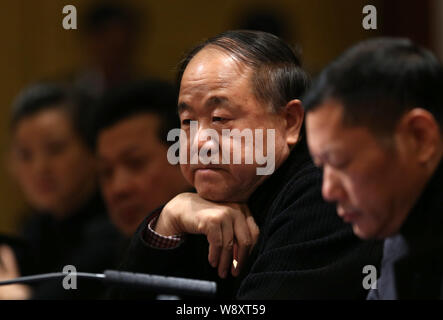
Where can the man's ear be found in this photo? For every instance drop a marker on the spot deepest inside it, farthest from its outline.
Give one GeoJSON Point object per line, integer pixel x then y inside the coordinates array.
{"type": "Point", "coordinates": [422, 134]}
{"type": "Point", "coordinates": [294, 116]}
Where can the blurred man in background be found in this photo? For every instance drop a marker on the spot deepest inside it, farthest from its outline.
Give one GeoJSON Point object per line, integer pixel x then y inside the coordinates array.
{"type": "Point", "coordinates": [131, 126]}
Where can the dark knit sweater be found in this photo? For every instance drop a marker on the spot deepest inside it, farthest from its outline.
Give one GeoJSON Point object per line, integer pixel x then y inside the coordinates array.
{"type": "Point", "coordinates": [304, 250]}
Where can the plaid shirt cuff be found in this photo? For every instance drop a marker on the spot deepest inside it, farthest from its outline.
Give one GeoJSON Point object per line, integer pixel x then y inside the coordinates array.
{"type": "Point", "coordinates": [158, 241]}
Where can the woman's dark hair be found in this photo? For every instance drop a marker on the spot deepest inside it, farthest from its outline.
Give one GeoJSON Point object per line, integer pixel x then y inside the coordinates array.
{"type": "Point", "coordinates": [47, 95]}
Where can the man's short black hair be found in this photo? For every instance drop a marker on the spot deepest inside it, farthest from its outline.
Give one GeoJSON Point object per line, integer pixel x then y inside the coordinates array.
{"type": "Point", "coordinates": [141, 97]}
{"type": "Point", "coordinates": [49, 95]}
{"type": "Point", "coordinates": [378, 80]}
{"type": "Point", "coordinates": [277, 73]}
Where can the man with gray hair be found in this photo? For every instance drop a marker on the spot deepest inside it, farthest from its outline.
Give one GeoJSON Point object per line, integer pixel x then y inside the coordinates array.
{"type": "Point", "coordinates": [273, 233]}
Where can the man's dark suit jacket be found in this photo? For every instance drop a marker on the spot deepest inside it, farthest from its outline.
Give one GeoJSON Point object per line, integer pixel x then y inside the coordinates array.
{"type": "Point", "coordinates": [412, 265]}
{"type": "Point", "coordinates": [304, 250]}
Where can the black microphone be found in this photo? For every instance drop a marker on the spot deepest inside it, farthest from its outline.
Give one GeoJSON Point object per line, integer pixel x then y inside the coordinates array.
{"type": "Point", "coordinates": [160, 284]}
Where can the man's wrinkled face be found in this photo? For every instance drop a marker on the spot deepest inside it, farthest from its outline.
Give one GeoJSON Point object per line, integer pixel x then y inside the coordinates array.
{"type": "Point", "coordinates": [368, 179]}
{"type": "Point", "coordinates": [135, 175]}
{"type": "Point", "coordinates": [216, 92]}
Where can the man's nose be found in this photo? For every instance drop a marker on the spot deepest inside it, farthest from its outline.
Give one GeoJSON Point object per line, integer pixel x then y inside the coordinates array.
{"type": "Point", "coordinates": [207, 140]}
{"type": "Point", "coordinates": [332, 190]}
{"type": "Point", "coordinates": [121, 184]}
{"type": "Point", "coordinates": [41, 164]}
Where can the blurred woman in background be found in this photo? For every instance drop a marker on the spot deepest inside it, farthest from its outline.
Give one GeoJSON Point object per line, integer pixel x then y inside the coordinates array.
{"type": "Point", "coordinates": [55, 167]}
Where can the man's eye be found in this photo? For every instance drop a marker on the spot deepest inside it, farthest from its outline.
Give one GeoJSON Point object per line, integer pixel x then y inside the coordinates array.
{"type": "Point", "coordinates": [340, 164]}
{"type": "Point", "coordinates": [56, 148]}
{"type": "Point", "coordinates": [24, 154]}
{"type": "Point", "coordinates": [136, 163]}
{"type": "Point", "coordinates": [219, 119]}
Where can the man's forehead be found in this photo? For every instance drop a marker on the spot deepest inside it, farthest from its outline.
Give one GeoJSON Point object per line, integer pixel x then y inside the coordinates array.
{"type": "Point", "coordinates": [327, 133]}
{"type": "Point", "coordinates": [120, 147]}
{"type": "Point", "coordinates": [324, 127]}
{"type": "Point", "coordinates": [213, 61]}
{"type": "Point", "coordinates": [213, 101]}
{"type": "Point", "coordinates": [135, 127]}
{"type": "Point", "coordinates": [328, 113]}
{"type": "Point", "coordinates": [212, 78]}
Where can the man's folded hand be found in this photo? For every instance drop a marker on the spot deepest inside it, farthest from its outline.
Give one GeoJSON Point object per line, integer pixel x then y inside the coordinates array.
{"type": "Point", "coordinates": [229, 227]}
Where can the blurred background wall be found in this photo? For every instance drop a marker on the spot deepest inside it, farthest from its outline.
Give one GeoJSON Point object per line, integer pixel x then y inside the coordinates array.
{"type": "Point", "coordinates": [35, 46]}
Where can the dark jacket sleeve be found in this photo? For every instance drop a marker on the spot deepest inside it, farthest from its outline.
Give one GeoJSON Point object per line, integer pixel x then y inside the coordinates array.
{"type": "Point", "coordinates": [306, 251]}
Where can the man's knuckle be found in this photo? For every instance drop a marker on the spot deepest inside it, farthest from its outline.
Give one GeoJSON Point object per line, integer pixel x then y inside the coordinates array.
{"type": "Point", "coordinates": [246, 243]}
{"type": "Point", "coordinates": [201, 227]}
{"type": "Point", "coordinates": [219, 217]}
{"type": "Point", "coordinates": [229, 245]}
